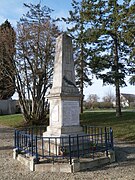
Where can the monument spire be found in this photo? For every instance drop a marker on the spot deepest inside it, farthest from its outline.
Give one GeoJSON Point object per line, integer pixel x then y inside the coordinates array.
{"type": "Point", "coordinates": [64, 74]}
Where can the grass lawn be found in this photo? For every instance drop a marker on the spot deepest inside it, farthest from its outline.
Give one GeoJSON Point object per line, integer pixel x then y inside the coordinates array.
{"type": "Point", "coordinates": [14, 120]}
{"type": "Point", "coordinates": [123, 127]}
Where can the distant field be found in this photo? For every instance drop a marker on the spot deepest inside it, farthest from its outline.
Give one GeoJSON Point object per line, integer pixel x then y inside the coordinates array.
{"type": "Point", "coordinates": [123, 127]}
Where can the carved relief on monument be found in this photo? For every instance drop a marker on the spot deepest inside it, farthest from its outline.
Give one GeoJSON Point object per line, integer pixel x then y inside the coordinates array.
{"type": "Point", "coordinates": [68, 79]}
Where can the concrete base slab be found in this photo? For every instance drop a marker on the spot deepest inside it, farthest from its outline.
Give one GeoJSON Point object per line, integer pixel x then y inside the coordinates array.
{"type": "Point", "coordinates": [77, 165]}
{"type": "Point", "coordinates": [57, 167]}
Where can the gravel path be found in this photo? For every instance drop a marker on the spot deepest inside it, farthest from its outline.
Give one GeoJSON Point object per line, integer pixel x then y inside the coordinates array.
{"type": "Point", "coordinates": [10, 169]}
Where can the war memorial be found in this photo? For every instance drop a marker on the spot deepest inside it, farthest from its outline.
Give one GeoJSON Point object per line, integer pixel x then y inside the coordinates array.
{"type": "Point", "coordinates": [65, 145]}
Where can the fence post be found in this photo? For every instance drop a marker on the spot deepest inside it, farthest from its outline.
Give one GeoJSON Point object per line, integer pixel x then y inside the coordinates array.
{"type": "Point", "coordinates": [32, 142]}
{"type": "Point", "coordinates": [70, 150]}
{"type": "Point", "coordinates": [78, 154]}
{"type": "Point", "coordinates": [36, 149]}
{"type": "Point", "coordinates": [106, 145]}
{"type": "Point", "coordinates": [15, 139]}
{"type": "Point", "coordinates": [111, 136]}
{"type": "Point", "coordinates": [42, 141]}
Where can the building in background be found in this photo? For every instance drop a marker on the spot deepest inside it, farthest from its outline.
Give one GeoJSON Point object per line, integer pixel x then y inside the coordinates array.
{"type": "Point", "coordinates": [127, 100]}
{"type": "Point", "coordinates": [9, 107]}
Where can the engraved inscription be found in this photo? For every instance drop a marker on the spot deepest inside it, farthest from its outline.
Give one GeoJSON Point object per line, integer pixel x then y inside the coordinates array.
{"type": "Point", "coordinates": [70, 113]}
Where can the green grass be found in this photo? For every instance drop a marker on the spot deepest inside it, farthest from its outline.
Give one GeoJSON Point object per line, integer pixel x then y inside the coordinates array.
{"type": "Point", "coordinates": [15, 120]}
{"type": "Point", "coordinates": [123, 127]}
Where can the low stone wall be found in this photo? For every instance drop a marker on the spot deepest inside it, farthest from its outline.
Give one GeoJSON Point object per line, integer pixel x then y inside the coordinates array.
{"type": "Point", "coordinates": [76, 166]}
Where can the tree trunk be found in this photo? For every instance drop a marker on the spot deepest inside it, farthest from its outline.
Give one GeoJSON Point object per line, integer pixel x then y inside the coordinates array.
{"type": "Point", "coordinates": [118, 104]}
{"type": "Point", "coordinates": [117, 85]}
{"type": "Point", "coordinates": [81, 85]}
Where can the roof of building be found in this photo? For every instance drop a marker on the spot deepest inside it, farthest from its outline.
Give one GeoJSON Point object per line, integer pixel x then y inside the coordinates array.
{"type": "Point", "coordinates": [129, 96]}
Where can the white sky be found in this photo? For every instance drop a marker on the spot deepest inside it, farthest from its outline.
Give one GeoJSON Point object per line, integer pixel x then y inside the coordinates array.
{"type": "Point", "coordinates": [14, 9]}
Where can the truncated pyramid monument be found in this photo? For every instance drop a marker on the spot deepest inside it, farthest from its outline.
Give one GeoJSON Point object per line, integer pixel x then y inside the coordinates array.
{"type": "Point", "coordinates": [64, 96]}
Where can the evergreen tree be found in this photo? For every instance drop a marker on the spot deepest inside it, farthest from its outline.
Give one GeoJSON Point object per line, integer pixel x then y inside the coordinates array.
{"type": "Point", "coordinates": [109, 27]}
{"type": "Point", "coordinates": [130, 33]}
{"type": "Point", "coordinates": [7, 52]}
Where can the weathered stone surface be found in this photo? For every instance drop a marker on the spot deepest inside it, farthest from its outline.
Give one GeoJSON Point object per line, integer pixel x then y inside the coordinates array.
{"type": "Point", "coordinates": [64, 97]}
{"type": "Point", "coordinates": [64, 74]}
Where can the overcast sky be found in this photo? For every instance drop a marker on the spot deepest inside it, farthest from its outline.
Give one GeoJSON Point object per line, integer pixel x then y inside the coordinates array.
{"type": "Point", "coordinates": [14, 9]}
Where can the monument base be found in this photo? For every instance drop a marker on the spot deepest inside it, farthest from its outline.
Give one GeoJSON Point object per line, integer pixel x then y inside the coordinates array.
{"type": "Point", "coordinates": [64, 140]}
{"type": "Point", "coordinates": [63, 131]}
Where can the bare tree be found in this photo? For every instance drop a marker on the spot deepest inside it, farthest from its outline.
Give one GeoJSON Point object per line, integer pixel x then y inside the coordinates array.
{"type": "Point", "coordinates": [36, 33]}
{"type": "Point", "coordinates": [92, 101]}
{"type": "Point", "coordinates": [109, 97]}
{"type": "Point", "coordinates": [93, 98]}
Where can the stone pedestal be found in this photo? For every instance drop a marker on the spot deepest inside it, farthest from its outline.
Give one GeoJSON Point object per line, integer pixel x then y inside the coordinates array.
{"type": "Point", "coordinates": [64, 117]}
{"type": "Point", "coordinates": [64, 97]}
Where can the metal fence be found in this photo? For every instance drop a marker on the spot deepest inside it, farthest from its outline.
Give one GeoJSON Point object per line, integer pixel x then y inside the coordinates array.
{"type": "Point", "coordinates": [95, 140]}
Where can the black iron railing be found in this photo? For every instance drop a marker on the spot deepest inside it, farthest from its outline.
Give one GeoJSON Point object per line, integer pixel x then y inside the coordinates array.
{"type": "Point", "coordinates": [95, 140]}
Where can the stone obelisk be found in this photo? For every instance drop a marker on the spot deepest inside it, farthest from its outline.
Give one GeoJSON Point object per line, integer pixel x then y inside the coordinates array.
{"type": "Point", "coordinates": [64, 96]}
